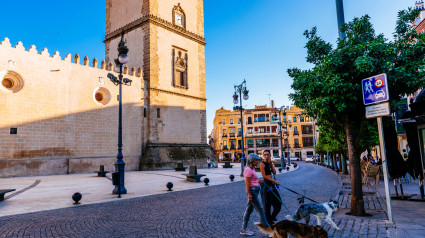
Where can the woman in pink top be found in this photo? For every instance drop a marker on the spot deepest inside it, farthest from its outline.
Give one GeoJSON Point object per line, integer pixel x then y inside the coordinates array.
{"type": "Point", "coordinates": [252, 191]}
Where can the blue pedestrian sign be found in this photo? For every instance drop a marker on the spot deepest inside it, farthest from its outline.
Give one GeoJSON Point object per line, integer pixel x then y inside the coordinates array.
{"type": "Point", "coordinates": [375, 89]}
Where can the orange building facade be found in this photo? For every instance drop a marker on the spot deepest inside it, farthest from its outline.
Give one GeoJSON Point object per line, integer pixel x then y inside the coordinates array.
{"type": "Point", "coordinates": [261, 132]}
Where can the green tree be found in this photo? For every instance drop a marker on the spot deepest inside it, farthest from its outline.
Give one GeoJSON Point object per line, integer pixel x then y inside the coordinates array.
{"type": "Point", "coordinates": [331, 89]}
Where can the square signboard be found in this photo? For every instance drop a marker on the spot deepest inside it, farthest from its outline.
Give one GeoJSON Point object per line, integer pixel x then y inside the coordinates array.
{"type": "Point", "coordinates": [375, 89]}
{"type": "Point", "coordinates": [378, 110]}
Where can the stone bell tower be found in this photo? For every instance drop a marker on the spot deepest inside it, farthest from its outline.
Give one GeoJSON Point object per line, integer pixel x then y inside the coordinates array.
{"type": "Point", "coordinates": [166, 39]}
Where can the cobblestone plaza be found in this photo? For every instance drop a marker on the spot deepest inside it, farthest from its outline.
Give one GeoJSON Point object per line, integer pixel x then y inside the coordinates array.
{"type": "Point", "coordinates": [207, 211]}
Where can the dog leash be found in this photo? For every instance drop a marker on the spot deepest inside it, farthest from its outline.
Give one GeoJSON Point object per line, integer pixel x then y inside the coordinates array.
{"type": "Point", "coordinates": [301, 199]}
{"type": "Point", "coordinates": [270, 189]}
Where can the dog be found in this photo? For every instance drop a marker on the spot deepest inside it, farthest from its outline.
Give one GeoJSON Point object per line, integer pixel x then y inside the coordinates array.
{"type": "Point", "coordinates": [320, 211]}
{"type": "Point", "coordinates": [297, 230]}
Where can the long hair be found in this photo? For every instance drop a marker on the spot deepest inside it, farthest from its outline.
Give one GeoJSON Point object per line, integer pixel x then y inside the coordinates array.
{"type": "Point", "coordinates": [249, 163]}
{"type": "Point", "coordinates": [251, 158]}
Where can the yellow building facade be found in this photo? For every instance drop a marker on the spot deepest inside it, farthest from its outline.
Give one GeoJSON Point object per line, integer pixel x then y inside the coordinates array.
{"type": "Point", "coordinates": [261, 131]}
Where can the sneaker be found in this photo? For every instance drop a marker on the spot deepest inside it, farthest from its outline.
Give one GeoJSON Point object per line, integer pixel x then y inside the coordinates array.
{"type": "Point", "coordinates": [246, 232]}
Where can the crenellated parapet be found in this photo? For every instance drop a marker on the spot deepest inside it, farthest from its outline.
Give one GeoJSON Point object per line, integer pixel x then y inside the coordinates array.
{"type": "Point", "coordinates": [108, 66]}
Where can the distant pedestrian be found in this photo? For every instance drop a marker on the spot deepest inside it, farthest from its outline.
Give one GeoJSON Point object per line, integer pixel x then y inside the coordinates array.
{"type": "Point", "coordinates": [212, 164]}
{"type": "Point", "coordinates": [252, 186]}
{"type": "Point", "coordinates": [209, 162]}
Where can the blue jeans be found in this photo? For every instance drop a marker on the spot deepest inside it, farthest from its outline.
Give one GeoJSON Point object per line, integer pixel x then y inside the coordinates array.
{"type": "Point", "coordinates": [254, 204]}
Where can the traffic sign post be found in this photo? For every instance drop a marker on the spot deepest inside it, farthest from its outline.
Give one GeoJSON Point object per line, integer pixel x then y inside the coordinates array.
{"type": "Point", "coordinates": [385, 168]}
{"type": "Point", "coordinates": [375, 91]}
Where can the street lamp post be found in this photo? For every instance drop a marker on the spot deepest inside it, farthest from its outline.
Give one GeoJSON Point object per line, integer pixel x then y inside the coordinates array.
{"type": "Point", "coordinates": [282, 157]}
{"type": "Point", "coordinates": [241, 89]}
{"type": "Point", "coordinates": [287, 135]}
{"type": "Point", "coordinates": [119, 65]}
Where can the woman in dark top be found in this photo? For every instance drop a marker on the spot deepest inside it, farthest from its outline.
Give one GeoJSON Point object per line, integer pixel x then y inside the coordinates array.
{"type": "Point", "coordinates": [269, 193]}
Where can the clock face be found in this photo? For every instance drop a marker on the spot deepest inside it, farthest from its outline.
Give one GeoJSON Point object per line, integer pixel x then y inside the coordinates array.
{"type": "Point", "coordinates": [179, 19]}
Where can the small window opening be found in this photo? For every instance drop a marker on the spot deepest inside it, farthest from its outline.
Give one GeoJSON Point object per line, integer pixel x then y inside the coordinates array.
{"type": "Point", "coordinates": [13, 131]}
{"type": "Point", "coordinates": [158, 113]}
{"type": "Point", "coordinates": [182, 79]}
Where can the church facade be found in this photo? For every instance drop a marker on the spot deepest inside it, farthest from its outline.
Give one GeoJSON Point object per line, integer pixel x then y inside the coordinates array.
{"type": "Point", "coordinates": [60, 116]}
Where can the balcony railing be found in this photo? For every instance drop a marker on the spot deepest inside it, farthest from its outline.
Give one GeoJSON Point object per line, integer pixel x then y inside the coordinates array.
{"type": "Point", "coordinates": [261, 120]}
{"type": "Point", "coordinates": [308, 144]}
{"type": "Point", "coordinates": [275, 145]}
{"type": "Point", "coordinates": [225, 147]}
{"type": "Point", "coordinates": [296, 133]}
{"type": "Point", "coordinates": [232, 147]}
{"type": "Point", "coordinates": [263, 145]}
{"type": "Point", "coordinates": [231, 134]}
{"type": "Point", "coordinates": [239, 134]}
{"type": "Point", "coordinates": [224, 135]}
{"type": "Point", "coordinates": [263, 133]}
{"type": "Point", "coordinates": [307, 132]}
{"type": "Point", "coordinates": [296, 146]}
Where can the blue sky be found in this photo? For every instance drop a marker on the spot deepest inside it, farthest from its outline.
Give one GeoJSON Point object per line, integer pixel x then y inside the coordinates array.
{"type": "Point", "coordinates": [246, 39]}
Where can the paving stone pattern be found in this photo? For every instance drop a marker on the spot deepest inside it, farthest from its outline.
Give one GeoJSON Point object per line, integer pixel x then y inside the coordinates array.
{"type": "Point", "coordinates": [375, 225]}
{"type": "Point", "coordinates": [213, 211]}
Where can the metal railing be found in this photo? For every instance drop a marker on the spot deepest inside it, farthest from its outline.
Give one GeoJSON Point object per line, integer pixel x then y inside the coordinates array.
{"type": "Point", "coordinates": [307, 132]}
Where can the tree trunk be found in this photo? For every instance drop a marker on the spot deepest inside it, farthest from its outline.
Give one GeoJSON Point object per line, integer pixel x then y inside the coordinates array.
{"type": "Point", "coordinates": [340, 157]}
{"type": "Point", "coordinates": [344, 164]}
{"type": "Point", "coordinates": [353, 140]}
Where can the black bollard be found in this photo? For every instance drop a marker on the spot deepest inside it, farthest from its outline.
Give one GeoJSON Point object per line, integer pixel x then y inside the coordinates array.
{"type": "Point", "coordinates": [206, 181]}
{"type": "Point", "coordinates": [280, 170]}
{"type": "Point", "coordinates": [170, 186]}
{"type": "Point", "coordinates": [76, 197]}
{"type": "Point", "coordinates": [231, 177]}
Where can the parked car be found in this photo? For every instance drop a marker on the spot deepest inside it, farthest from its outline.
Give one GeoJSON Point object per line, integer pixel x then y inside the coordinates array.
{"type": "Point", "coordinates": [309, 159]}
{"type": "Point", "coordinates": [277, 161]}
{"type": "Point", "coordinates": [293, 158]}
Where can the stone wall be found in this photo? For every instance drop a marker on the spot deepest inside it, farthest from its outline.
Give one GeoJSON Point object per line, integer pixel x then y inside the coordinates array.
{"type": "Point", "coordinates": [167, 155]}
{"type": "Point", "coordinates": [59, 116]}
